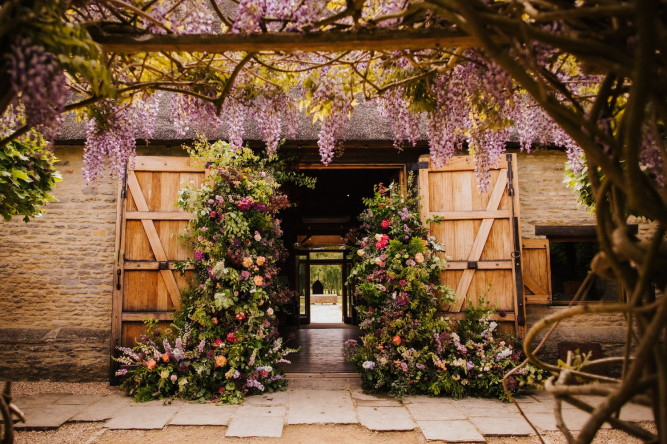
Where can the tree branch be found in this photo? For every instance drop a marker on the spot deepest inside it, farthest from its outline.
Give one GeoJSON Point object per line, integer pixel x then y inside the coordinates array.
{"type": "Point", "coordinates": [331, 41]}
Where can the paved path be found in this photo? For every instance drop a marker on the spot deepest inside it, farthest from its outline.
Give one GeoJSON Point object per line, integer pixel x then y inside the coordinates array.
{"type": "Point", "coordinates": [313, 400]}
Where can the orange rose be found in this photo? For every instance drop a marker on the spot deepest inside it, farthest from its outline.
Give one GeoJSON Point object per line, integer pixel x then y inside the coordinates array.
{"type": "Point", "coordinates": [150, 364]}
{"type": "Point", "coordinates": [260, 260]}
{"type": "Point", "coordinates": [220, 361]}
{"type": "Point", "coordinates": [396, 340]}
{"type": "Point", "coordinates": [165, 357]}
{"type": "Point", "coordinates": [247, 262]}
{"type": "Point", "coordinates": [419, 258]}
{"type": "Point", "coordinates": [259, 280]}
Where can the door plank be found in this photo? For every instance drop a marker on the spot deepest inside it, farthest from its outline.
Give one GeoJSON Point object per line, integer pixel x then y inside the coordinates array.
{"type": "Point", "coordinates": [154, 240]}
{"type": "Point", "coordinates": [480, 241]}
{"type": "Point", "coordinates": [158, 215]}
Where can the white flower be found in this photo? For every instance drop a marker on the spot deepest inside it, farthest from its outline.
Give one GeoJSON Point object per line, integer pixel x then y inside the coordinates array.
{"type": "Point", "coordinates": [503, 354]}
{"type": "Point", "coordinates": [378, 237]}
{"type": "Point", "coordinates": [368, 365]}
{"type": "Point", "coordinates": [269, 311]}
{"type": "Point", "coordinates": [360, 252]}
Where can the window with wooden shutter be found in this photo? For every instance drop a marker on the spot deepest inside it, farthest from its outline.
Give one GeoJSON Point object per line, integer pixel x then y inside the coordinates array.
{"type": "Point", "coordinates": [536, 271]}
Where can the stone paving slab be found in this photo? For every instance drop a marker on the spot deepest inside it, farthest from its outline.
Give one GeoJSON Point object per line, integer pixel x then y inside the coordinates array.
{"type": "Point", "coordinates": [359, 395]}
{"type": "Point", "coordinates": [320, 383]}
{"type": "Point", "coordinates": [204, 415]}
{"type": "Point", "coordinates": [43, 399]}
{"type": "Point", "coordinates": [502, 426]}
{"type": "Point", "coordinates": [251, 411]}
{"type": "Point", "coordinates": [106, 408]}
{"type": "Point", "coordinates": [47, 416]}
{"type": "Point", "coordinates": [435, 412]}
{"type": "Point", "coordinates": [450, 431]}
{"type": "Point", "coordinates": [82, 399]}
{"type": "Point", "coordinates": [244, 427]}
{"type": "Point", "coordinates": [152, 415]}
{"type": "Point", "coordinates": [636, 413]}
{"type": "Point", "coordinates": [379, 403]}
{"type": "Point", "coordinates": [321, 407]}
{"type": "Point", "coordinates": [268, 399]}
{"type": "Point", "coordinates": [574, 419]}
{"type": "Point", "coordinates": [385, 418]}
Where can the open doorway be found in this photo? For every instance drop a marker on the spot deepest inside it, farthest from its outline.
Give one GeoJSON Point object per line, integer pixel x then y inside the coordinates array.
{"type": "Point", "coordinates": [315, 230]}
{"type": "Point", "coordinates": [321, 276]}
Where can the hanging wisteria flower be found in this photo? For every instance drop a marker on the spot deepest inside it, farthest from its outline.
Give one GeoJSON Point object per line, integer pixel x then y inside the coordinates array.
{"type": "Point", "coordinates": [37, 77]}
{"type": "Point", "coordinates": [110, 139]}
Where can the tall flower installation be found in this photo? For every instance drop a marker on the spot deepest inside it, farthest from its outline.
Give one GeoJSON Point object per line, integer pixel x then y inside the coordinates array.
{"type": "Point", "coordinates": [224, 343]}
{"type": "Point", "coordinates": [406, 346]}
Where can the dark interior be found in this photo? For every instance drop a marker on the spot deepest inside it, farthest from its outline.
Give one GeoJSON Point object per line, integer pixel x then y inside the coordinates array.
{"type": "Point", "coordinates": [333, 206]}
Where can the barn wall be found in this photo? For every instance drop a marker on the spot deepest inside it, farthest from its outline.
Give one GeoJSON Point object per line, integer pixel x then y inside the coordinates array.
{"type": "Point", "coordinates": [546, 200]}
{"type": "Point", "coordinates": [56, 272]}
{"type": "Point", "coordinates": [56, 282]}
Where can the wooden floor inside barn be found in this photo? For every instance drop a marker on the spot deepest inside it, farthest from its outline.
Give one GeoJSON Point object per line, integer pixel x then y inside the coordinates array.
{"type": "Point", "coordinates": [322, 348]}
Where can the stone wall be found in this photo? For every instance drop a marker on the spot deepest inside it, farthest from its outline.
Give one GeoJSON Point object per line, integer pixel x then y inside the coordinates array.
{"type": "Point", "coordinates": [546, 200]}
{"type": "Point", "coordinates": [56, 282]}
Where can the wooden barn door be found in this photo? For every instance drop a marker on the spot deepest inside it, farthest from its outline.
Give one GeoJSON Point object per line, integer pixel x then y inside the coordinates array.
{"type": "Point", "coordinates": [146, 286]}
{"type": "Point", "coordinates": [478, 232]}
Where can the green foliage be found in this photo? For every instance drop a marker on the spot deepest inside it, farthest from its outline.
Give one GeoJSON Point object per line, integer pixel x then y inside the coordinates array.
{"type": "Point", "coordinates": [581, 184]}
{"type": "Point", "coordinates": [406, 346]}
{"type": "Point", "coordinates": [27, 177]}
{"type": "Point", "coordinates": [42, 21]}
{"type": "Point", "coordinates": [224, 343]}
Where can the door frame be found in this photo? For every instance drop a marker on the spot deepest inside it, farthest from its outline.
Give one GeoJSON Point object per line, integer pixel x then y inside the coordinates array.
{"type": "Point", "coordinates": [348, 318]}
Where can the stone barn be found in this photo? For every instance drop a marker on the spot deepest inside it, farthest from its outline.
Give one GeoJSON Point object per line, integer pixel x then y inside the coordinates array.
{"type": "Point", "coordinates": [79, 280]}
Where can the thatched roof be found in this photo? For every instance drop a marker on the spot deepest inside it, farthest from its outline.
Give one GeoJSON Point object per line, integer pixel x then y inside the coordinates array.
{"type": "Point", "coordinates": [366, 125]}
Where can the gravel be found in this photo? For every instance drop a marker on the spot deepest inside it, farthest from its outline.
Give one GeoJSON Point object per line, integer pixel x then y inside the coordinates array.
{"type": "Point", "coordinates": [75, 388]}
{"type": "Point", "coordinates": [89, 433]}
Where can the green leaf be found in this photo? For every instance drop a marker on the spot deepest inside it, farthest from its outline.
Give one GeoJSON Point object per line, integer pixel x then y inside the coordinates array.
{"type": "Point", "coordinates": [19, 174]}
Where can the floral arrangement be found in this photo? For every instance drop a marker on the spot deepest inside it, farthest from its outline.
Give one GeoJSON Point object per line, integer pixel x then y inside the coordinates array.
{"type": "Point", "coordinates": [224, 343]}
{"type": "Point", "coordinates": [405, 346]}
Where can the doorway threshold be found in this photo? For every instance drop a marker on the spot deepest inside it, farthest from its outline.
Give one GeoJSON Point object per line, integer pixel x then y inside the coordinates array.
{"type": "Point", "coordinates": [315, 325]}
{"type": "Point", "coordinates": [323, 381]}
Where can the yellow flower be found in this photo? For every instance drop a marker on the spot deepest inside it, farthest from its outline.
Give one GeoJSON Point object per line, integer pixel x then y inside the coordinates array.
{"type": "Point", "coordinates": [247, 262]}
{"type": "Point", "coordinates": [220, 361]}
{"type": "Point", "coordinates": [164, 374]}
{"type": "Point", "coordinates": [360, 252]}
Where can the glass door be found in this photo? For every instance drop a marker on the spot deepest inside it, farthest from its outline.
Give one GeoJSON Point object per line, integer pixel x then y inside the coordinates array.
{"type": "Point", "coordinates": [303, 287]}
